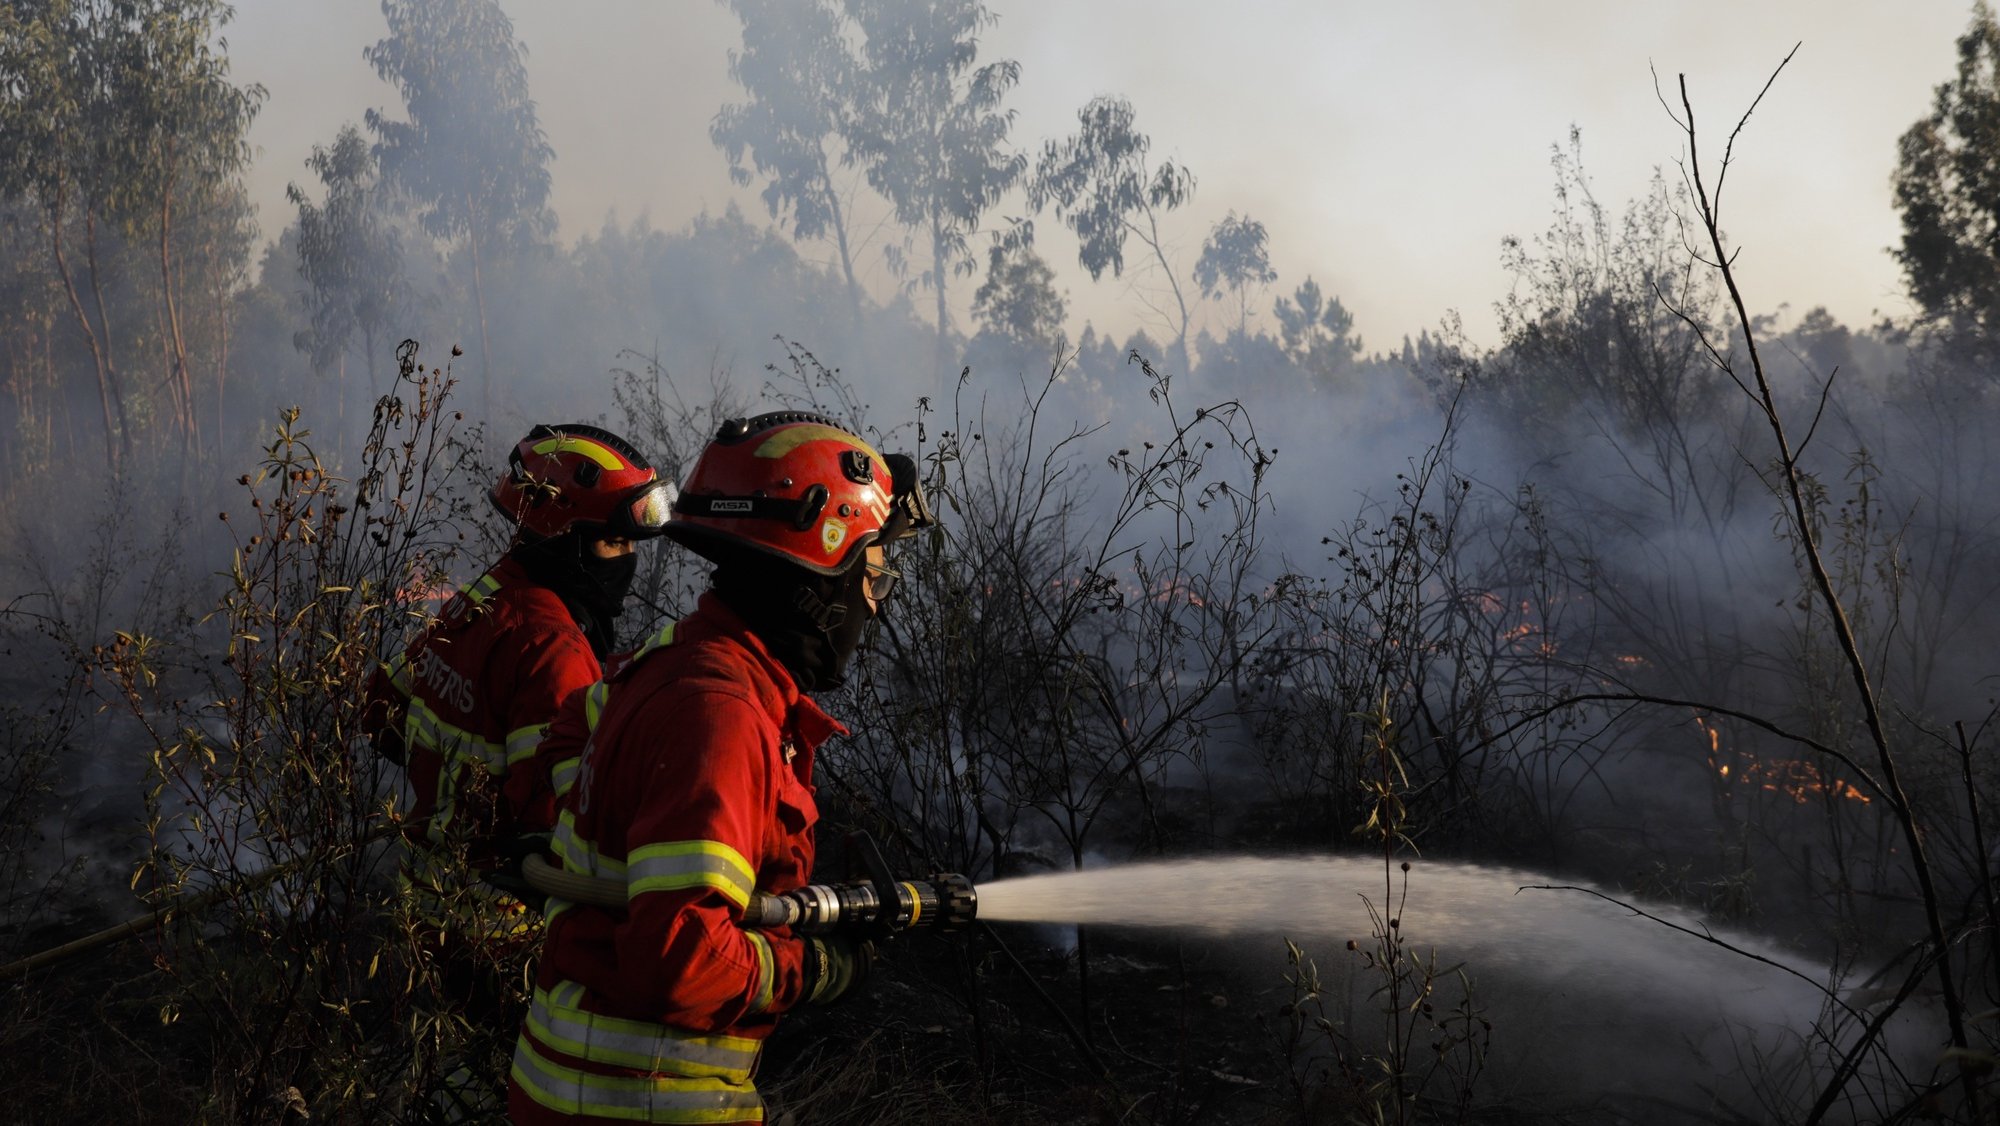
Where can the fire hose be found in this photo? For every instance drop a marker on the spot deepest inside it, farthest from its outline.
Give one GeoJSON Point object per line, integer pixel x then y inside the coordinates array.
{"type": "Point", "coordinates": [876, 904]}
{"type": "Point", "coordinates": [187, 904]}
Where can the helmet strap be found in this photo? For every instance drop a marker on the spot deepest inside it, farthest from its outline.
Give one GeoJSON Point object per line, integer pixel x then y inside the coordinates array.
{"type": "Point", "coordinates": [811, 623]}
{"type": "Point", "coordinates": [822, 614]}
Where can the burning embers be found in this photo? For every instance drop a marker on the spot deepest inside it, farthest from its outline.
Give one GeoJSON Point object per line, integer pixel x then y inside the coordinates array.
{"type": "Point", "coordinates": [1525, 635]}
{"type": "Point", "coordinates": [1798, 779]}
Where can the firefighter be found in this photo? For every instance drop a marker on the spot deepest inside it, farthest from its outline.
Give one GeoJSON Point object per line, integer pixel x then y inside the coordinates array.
{"type": "Point", "coordinates": [470, 698]}
{"type": "Point", "coordinates": [688, 777]}
{"type": "Point", "coordinates": [467, 703]}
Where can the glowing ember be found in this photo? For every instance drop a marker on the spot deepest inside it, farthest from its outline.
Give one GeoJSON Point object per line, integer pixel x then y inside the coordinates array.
{"type": "Point", "coordinates": [1798, 779]}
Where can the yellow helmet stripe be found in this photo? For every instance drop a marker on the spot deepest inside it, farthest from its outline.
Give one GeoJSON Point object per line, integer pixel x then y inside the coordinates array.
{"type": "Point", "coordinates": [790, 438]}
{"type": "Point", "coordinates": [570, 443]}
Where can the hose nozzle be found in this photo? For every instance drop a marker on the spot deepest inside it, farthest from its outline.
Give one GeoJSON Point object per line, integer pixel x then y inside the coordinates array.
{"type": "Point", "coordinates": [945, 901]}
{"type": "Point", "coordinates": [879, 904]}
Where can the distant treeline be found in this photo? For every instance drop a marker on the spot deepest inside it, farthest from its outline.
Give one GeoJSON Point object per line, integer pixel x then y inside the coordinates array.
{"type": "Point", "coordinates": [137, 310]}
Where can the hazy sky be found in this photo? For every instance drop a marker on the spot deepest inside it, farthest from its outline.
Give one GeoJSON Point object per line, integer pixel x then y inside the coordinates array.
{"type": "Point", "coordinates": [1387, 148]}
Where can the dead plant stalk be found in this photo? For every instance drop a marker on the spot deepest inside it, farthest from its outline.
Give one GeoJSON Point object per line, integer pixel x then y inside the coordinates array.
{"type": "Point", "coordinates": [1793, 493]}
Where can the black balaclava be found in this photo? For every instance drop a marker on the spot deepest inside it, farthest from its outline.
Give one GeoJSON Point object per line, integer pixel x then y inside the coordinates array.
{"type": "Point", "coordinates": [594, 589]}
{"type": "Point", "coordinates": [812, 623]}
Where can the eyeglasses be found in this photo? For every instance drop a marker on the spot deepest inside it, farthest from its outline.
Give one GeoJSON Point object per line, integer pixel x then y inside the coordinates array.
{"type": "Point", "coordinates": [881, 581]}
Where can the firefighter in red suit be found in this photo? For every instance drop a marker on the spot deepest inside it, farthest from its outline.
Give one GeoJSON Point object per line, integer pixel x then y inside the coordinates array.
{"type": "Point", "coordinates": [469, 700]}
{"type": "Point", "coordinates": [687, 776]}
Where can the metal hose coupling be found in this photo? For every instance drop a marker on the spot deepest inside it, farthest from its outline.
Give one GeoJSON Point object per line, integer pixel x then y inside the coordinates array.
{"type": "Point", "coordinates": [877, 904]}
{"type": "Point", "coordinates": [945, 901]}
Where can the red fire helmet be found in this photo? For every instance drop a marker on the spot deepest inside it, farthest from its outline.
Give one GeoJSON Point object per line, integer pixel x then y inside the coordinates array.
{"type": "Point", "coordinates": [576, 476]}
{"type": "Point", "coordinates": [798, 487]}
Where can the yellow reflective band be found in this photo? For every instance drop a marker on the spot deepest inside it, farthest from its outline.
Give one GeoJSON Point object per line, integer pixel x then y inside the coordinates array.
{"type": "Point", "coordinates": [522, 741]}
{"type": "Point", "coordinates": [580, 855]}
{"type": "Point", "coordinates": [446, 806]}
{"type": "Point", "coordinates": [590, 448]}
{"type": "Point", "coordinates": [792, 437]}
{"type": "Point", "coordinates": [480, 589]}
{"type": "Point", "coordinates": [422, 727]}
{"type": "Point", "coordinates": [659, 640]}
{"type": "Point", "coordinates": [632, 1098]}
{"type": "Point", "coordinates": [558, 1020]}
{"type": "Point", "coordinates": [593, 703]}
{"type": "Point", "coordinates": [679, 865]}
{"type": "Point", "coordinates": [767, 972]}
{"type": "Point", "coordinates": [563, 774]}
{"type": "Point", "coordinates": [398, 672]}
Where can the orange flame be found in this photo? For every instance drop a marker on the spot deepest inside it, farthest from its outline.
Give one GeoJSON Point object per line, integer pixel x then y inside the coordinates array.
{"type": "Point", "coordinates": [1798, 779]}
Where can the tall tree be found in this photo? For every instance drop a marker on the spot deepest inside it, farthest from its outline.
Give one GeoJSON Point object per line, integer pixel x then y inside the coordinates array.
{"type": "Point", "coordinates": [1947, 186]}
{"type": "Point", "coordinates": [1236, 258]}
{"type": "Point", "coordinates": [29, 305]}
{"type": "Point", "coordinates": [349, 256]}
{"type": "Point", "coordinates": [119, 123]}
{"type": "Point", "coordinates": [221, 238]}
{"type": "Point", "coordinates": [1102, 187]}
{"type": "Point", "coordinates": [1317, 333]}
{"type": "Point", "coordinates": [1019, 300]}
{"type": "Point", "coordinates": [472, 154]}
{"type": "Point", "coordinates": [56, 121]}
{"type": "Point", "coordinates": [186, 130]}
{"type": "Point", "coordinates": [932, 132]}
{"type": "Point", "coordinates": [799, 72]}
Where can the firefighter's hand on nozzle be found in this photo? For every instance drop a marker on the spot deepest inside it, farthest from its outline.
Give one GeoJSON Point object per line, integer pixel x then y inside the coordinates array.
{"type": "Point", "coordinates": [835, 965]}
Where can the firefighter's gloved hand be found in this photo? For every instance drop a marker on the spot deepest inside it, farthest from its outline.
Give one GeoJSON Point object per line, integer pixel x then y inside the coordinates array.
{"type": "Point", "coordinates": [513, 852]}
{"type": "Point", "coordinates": [835, 966]}
{"type": "Point", "coordinates": [388, 744]}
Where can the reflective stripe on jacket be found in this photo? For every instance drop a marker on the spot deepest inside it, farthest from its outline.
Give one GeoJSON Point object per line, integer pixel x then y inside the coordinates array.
{"type": "Point", "coordinates": [688, 775]}
{"type": "Point", "coordinates": [474, 694]}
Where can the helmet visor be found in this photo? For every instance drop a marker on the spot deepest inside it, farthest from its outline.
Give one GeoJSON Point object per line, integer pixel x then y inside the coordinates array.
{"type": "Point", "coordinates": [648, 509]}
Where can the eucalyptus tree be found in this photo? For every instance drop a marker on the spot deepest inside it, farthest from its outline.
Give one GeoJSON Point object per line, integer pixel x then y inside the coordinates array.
{"type": "Point", "coordinates": [932, 131]}
{"type": "Point", "coordinates": [1019, 301]}
{"type": "Point", "coordinates": [1104, 189]}
{"type": "Point", "coordinates": [184, 143]}
{"type": "Point", "coordinates": [349, 256]}
{"type": "Point", "coordinates": [800, 76]}
{"type": "Point", "coordinates": [30, 306]}
{"type": "Point", "coordinates": [55, 105]}
{"type": "Point", "coordinates": [471, 155]}
{"type": "Point", "coordinates": [118, 117]}
{"type": "Point", "coordinates": [1235, 258]}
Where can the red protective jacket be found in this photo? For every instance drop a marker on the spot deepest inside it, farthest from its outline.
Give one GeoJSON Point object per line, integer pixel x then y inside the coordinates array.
{"type": "Point", "coordinates": [693, 786]}
{"type": "Point", "coordinates": [470, 699]}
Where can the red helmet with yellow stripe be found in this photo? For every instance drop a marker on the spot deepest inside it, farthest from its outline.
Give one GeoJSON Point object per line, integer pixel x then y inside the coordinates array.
{"type": "Point", "coordinates": [799, 487]}
{"type": "Point", "coordinates": [577, 476]}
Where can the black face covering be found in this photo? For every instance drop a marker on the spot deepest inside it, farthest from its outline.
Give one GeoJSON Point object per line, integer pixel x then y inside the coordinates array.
{"type": "Point", "coordinates": [594, 589]}
{"type": "Point", "coordinates": [811, 623]}
{"type": "Point", "coordinates": [610, 581]}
